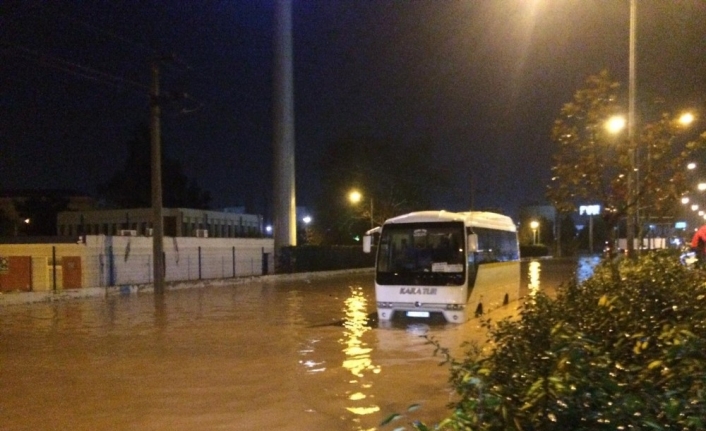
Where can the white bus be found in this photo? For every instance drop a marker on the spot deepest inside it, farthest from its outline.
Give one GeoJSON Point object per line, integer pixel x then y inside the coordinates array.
{"type": "Point", "coordinates": [438, 262]}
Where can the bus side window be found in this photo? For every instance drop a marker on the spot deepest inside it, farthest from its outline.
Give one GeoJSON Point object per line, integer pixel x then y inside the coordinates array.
{"type": "Point", "coordinates": [473, 259]}
{"type": "Point", "coordinates": [472, 243]}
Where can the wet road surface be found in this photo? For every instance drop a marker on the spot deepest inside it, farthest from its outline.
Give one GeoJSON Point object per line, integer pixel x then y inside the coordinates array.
{"type": "Point", "coordinates": [278, 355]}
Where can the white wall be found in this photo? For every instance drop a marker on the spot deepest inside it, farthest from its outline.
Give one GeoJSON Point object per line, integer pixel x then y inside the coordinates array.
{"type": "Point", "coordinates": [124, 260]}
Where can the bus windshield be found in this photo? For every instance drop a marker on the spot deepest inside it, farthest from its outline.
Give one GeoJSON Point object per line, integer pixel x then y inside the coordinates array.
{"type": "Point", "coordinates": [433, 251]}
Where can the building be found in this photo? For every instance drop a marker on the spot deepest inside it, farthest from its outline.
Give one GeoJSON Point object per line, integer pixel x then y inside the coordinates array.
{"type": "Point", "coordinates": [178, 222]}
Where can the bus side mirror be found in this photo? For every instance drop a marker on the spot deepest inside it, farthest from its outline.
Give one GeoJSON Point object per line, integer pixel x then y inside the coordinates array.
{"type": "Point", "coordinates": [472, 242]}
{"type": "Point", "coordinates": [367, 241]}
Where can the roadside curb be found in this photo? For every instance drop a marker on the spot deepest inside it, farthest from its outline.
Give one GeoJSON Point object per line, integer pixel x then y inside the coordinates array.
{"type": "Point", "coordinates": [18, 298]}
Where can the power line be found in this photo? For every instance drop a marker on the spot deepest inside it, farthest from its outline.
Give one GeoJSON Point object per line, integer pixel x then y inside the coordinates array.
{"type": "Point", "coordinates": [70, 67]}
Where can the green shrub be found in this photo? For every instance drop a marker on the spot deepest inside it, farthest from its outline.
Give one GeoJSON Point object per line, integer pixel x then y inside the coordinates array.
{"type": "Point", "coordinates": [624, 350]}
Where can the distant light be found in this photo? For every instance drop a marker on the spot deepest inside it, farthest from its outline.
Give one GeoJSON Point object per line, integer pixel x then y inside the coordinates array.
{"type": "Point", "coordinates": [694, 207]}
{"type": "Point", "coordinates": [356, 238]}
{"type": "Point", "coordinates": [685, 200]}
{"type": "Point", "coordinates": [355, 196]}
{"type": "Point", "coordinates": [691, 166]}
{"type": "Point", "coordinates": [268, 229]}
{"type": "Point", "coordinates": [701, 186]}
{"type": "Point", "coordinates": [686, 118]}
{"type": "Point", "coordinates": [680, 225]}
{"type": "Point", "coordinates": [27, 221]}
{"type": "Point", "coordinates": [307, 219]}
{"type": "Point", "coordinates": [615, 124]}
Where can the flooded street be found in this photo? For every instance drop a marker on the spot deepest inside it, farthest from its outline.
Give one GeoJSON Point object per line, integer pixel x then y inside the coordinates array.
{"type": "Point", "coordinates": [299, 354]}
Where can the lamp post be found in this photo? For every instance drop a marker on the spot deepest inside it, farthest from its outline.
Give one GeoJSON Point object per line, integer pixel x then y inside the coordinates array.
{"type": "Point", "coordinates": [534, 224]}
{"type": "Point", "coordinates": [633, 191]}
{"type": "Point", "coordinates": [355, 196]}
{"type": "Point", "coordinates": [305, 234]}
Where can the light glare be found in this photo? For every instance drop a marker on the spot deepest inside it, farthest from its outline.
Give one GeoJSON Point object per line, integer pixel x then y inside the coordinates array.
{"type": "Point", "coordinates": [615, 124]}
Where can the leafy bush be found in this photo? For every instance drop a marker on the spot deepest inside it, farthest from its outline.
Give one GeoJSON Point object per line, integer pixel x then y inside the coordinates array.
{"type": "Point", "coordinates": [624, 350]}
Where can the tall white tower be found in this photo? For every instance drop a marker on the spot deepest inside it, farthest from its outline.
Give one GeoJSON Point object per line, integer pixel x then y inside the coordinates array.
{"type": "Point", "coordinates": [285, 222]}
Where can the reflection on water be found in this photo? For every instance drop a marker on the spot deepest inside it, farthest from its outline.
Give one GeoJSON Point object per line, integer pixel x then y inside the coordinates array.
{"type": "Point", "coordinates": [585, 266]}
{"type": "Point", "coordinates": [535, 269]}
{"type": "Point", "coordinates": [546, 275]}
{"type": "Point", "coordinates": [358, 360]}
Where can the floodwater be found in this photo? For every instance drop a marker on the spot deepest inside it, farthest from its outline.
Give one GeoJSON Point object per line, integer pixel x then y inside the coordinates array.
{"type": "Point", "coordinates": [303, 354]}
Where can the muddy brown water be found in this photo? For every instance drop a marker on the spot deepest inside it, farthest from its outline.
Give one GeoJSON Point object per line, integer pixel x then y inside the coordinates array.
{"type": "Point", "coordinates": [264, 355]}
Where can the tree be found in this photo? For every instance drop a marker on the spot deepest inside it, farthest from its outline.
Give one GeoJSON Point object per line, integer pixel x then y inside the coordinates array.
{"type": "Point", "coordinates": [624, 349]}
{"type": "Point", "coordinates": [9, 220]}
{"type": "Point", "coordinates": [592, 165]}
{"type": "Point", "coordinates": [395, 178]}
{"type": "Point", "coordinates": [37, 215]}
{"type": "Point", "coordinates": [131, 186]}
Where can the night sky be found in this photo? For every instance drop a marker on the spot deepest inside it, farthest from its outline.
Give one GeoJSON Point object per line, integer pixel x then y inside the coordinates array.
{"type": "Point", "coordinates": [483, 80]}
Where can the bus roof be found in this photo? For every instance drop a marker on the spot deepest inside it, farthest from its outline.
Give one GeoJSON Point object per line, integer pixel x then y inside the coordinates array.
{"type": "Point", "coordinates": [470, 218]}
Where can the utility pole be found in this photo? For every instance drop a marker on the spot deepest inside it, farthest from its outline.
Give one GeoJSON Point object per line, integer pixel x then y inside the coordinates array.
{"type": "Point", "coordinates": [285, 226]}
{"type": "Point", "coordinates": [156, 153]}
{"type": "Point", "coordinates": [633, 209]}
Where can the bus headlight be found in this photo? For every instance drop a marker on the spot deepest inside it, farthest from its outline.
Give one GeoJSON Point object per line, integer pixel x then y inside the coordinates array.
{"type": "Point", "coordinates": [455, 306]}
{"type": "Point", "coordinates": [384, 305]}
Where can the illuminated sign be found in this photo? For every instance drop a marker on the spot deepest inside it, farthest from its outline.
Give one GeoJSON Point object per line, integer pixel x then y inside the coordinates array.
{"type": "Point", "coordinates": [680, 225]}
{"type": "Point", "coordinates": [590, 210]}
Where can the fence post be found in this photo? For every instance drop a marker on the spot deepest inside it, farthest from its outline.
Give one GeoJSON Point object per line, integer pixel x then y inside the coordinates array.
{"type": "Point", "coordinates": [233, 262]}
{"type": "Point", "coordinates": [31, 279]}
{"type": "Point", "coordinates": [264, 262]}
{"type": "Point", "coordinates": [111, 267]}
{"type": "Point", "coordinates": [53, 267]}
{"type": "Point", "coordinates": [199, 262]}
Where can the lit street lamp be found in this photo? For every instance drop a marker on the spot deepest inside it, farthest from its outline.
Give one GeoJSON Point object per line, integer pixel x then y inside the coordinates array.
{"type": "Point", "coordinates": [534, 224]}
{"type": "Point", "coordinates": [686, 119]}
{"type": "Point", "coordinates": [355, 196]}
{"type": "Point", "coordinates": [615, 124]}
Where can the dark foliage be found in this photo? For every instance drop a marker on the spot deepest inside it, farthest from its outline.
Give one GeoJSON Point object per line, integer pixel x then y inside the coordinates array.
{"type": "Point", "coordinates": [131, 187]}
{"type": "Point", "coordinates": [41, 211]}
{"type": "Point", "coordinates": [397, 177]}
{"type": "Point", "coordinates": [626, 349]}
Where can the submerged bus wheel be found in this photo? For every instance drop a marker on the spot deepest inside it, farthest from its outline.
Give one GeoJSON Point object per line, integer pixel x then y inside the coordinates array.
{"type": "Point", "coordinates": [479, 309]}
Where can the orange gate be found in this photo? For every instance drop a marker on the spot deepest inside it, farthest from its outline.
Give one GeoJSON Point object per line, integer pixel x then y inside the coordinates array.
{"type": "Point", "coordinates": [15, 273]}
{"type": "Point", "coordinates": [71, 268]}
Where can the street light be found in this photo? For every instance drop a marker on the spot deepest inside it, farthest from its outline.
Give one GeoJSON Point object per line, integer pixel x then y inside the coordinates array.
{"type": "Point", "coordinates": [534, 224]}
{"type": "Point", "coordinates": [355, 196]}
{"type": "Point", "coordinates": [686, 118]}
{"type": "Point", "coordinates": [615, 124]}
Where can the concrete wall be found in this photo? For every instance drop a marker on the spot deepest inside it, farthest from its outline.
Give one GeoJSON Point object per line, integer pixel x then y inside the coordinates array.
{"type": "Point", "coordinates": [125, 260]}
